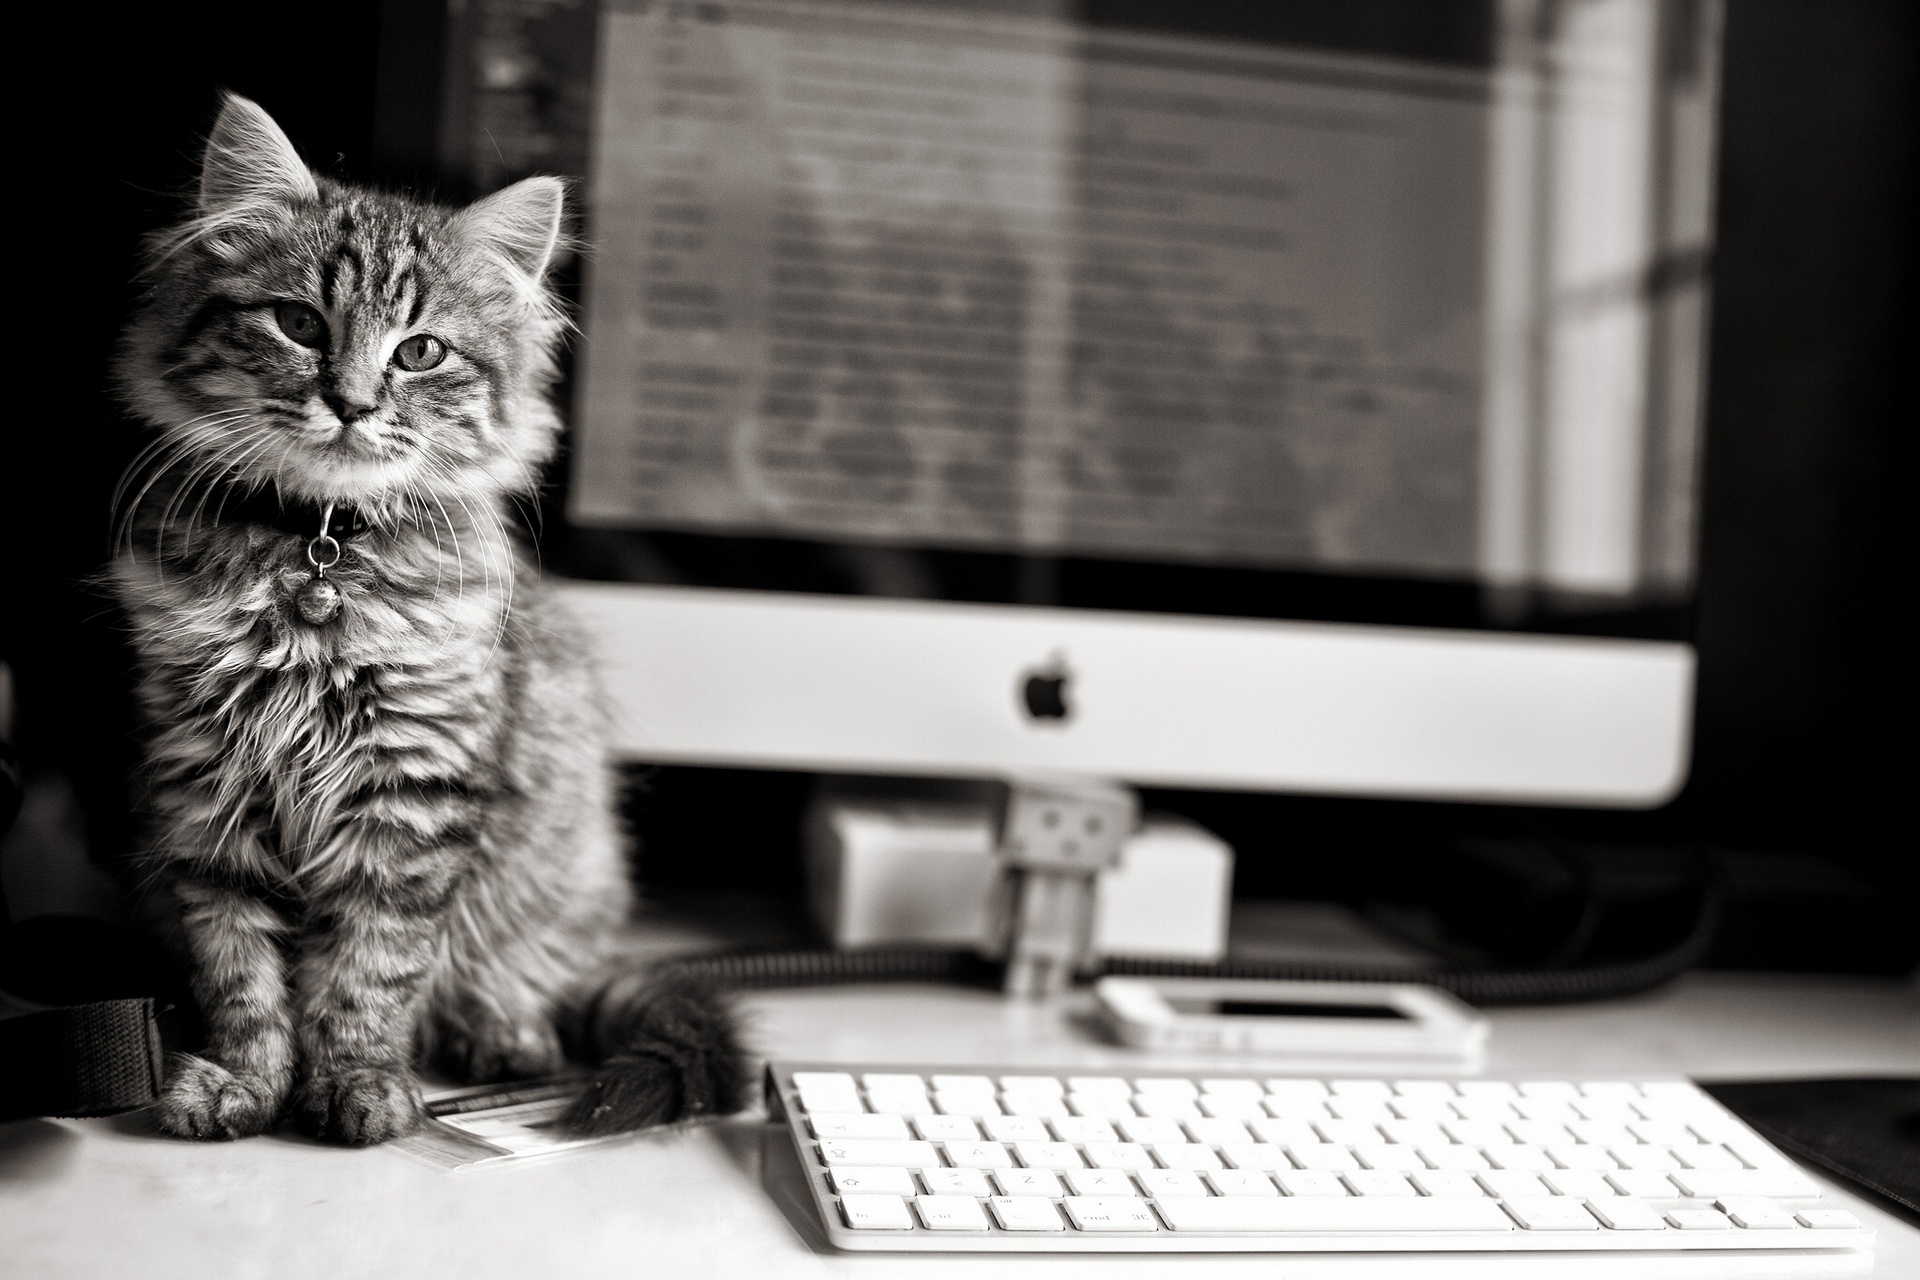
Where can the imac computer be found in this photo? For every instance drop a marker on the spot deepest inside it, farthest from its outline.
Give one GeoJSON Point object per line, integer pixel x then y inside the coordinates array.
{"type": "Point", "coordinates": [1302, 398]}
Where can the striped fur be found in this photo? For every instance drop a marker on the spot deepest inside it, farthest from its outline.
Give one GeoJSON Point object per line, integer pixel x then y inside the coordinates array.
{"type": "Point", "coordinates": [390, 835]}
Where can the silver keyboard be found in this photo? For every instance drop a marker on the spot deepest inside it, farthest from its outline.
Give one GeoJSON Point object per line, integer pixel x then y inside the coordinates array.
{"type": "Point", "coordinates": [977, 1159]}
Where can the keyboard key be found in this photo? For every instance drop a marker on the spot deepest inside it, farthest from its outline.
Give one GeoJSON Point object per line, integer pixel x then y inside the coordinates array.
{"type": "Point", "coordinates": [1379, 1090]}
{"type": "Point", "coordinates": [1387, 1155]}
{"type": "Point", "coordinates": [899, 1102]}
{"type": "Point", "coordinates": [1642, 1156]}
{"type": "Point", "coordinates": [858, 1151]}
{"type": "Point", "coordinates": [1699, 1220]}
{"type": "Point", "coordinates": [1118, 1155]}
{"type": "Point", "coordinates": [1041, 1105]}
{"type": "Point", "coordinates": [1418, 1108]}
{"type": "Point", "coordinates": [977, 1155]}
{"type": "Point", "coordinates": [950, 1213]}
{"type": "Point", "coordinates": [1828, 1220]}
{"type": "Point", "coordinates": [1450, 1156]}
{"type": "Point", "coordinates": [1236, 1088]}
{"type": "Point", "coordinates": [965, 1104]}
{"type": "Point", "coordinates": [1282, 1132]}
{"type": "Point", "coordinates": [1711, 1184]}
{"type": "Point", "coordinates": [1519, 1156]}
{"type": "Point", "coordinates": [822, 1080]}
{"type": "Point", "coordinates": [1485, 1089]}
{"type": "Point", "coordinates": [1383, 1213]}
{"type": "Point", "coordinates": [944, 1128]}
{"type": "Point", "coordinates": [1602, 1133]}
{"type": "Point", "coordinates": [1648, 1184]}
{"type": "Point", "coordinates": [825, 1101]}
{"type": "Point", "coordinates": [1218, 1133]}
{"type": "Point", "coordinates": [1254, 1155]}
{"type": "Point", "coordinates": [1538, 1133]}
{"type": "Point", "coordinates": [1286, 1108]}
{"type": "Point", "coordinates": [1023, 1213]}
{"type": "Point", "coordinates": [1414, 1133]}
{"type": "Point", "coordinates": [1304, 1090]}
{"type": "Point", "coordinates": [1106, 1106]}
{"type": "Point", "coordinates": [1241, 1182]}
{"type": "Point", "coordinates": [1100, 1182]}
{"type": "Point", "coordinates": [1477, 1133]}
{"type": "Point", "coordinates": [1557, 1089]}
{"type": "Point", "coordinates": [832, 1125]}
{"type": "Point", "coordinates": [1622, 1213]}
{"type": "Point", "coordinates": [877, 1181]}
{"type": "Point", "coordinates": [1372, 1110]}
{"type": "Point", "coordinates": [954, 1182]}
{"type": "Point", "coordinates": [1612, 1110]}
{"type": "Point", "coordinates": [1047, 1155]}
{"type": "Point", "coordinates": [1176, 1085]}
{"type": "Point", "coordinates": [1321, 1155]}
{"type": "Point", "coordinates": [1495, 1109]}
{"type": "Point", "coordinates": [1112, 1086]}
{"type": "Point", "coordinates": [876, 1213]}
{"type": "Point", "coordinates": [1080, 1129]}
{"type": "Point", "coordinates": [1151, 1129]}
{"type": "Point", "coordinates": [964, 1084]}
{"type": "Point", "coordinates": [1378, 1182]}
{"type": "Point", "coordinates": [1581, 1184]}
{"type": "Point", "coordinates": [1016, 1128]}
{"type": "Point", "coordinates": [1166, 1106]}
{"type": "Point", "coordinates": [1755, 1213]}
{"type": "Point", "coordinates": [1310, 1182]}
{"type": "Point", "coordinates": [1545, 1110]}
{"type": "Point", "coordinates": [1423, 1089]}
{"type": "Point", "coordinates": [1446, 1182]}
{"type": "Point", "coordinates": [1708, 1157]}
{"type": "Point", "coordinates": [1512, 1185]}
{"type": "Point", "coordinates": [1161, 1183]}
{"type": "Point", "coordinates": [1232, 1107]}
{"type": "Point", "coordinates": [1032, 1084]}
{"type": "Point", "coordinates": [1185, 1155]}
{"type": "Point", "coordinates": [1027, 1182]}
{"type": "Point", "coordinates": [1554, 1213]}
{"type": "Point", "coordinates": [1347, 1133]}
{"type": "Point", "coordinates": [1576, 1156]}
{"type": "Point", "coordinates": [1110, 1213]}
{"type": "Point", "coordinates": [893, 1080]}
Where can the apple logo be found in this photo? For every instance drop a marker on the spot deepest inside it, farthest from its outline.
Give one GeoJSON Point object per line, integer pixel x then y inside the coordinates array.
{"type": "Point", "coordinates": [1044, 690]}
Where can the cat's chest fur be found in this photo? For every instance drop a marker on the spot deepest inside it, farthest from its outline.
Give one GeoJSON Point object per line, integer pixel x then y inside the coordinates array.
{"type": "Point", "coordinates": [292, 720]}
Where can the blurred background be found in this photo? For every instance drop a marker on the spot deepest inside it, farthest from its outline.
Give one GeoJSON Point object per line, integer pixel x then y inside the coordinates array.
{"type": "Point", "coordinates": [1800, 751]}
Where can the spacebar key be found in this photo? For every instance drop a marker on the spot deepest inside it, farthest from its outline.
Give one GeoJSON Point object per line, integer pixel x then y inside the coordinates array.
{"type": "Point", "coordinates": [1314, 1214]}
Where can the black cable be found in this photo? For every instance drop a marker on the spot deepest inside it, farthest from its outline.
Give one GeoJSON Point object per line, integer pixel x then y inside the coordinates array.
{"type": "Point", "coordinates": [765, 970]}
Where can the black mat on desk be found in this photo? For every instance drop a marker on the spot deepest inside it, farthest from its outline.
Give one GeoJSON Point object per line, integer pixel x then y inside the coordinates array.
{"type": "Point", "coordinates": [1867, 1131]}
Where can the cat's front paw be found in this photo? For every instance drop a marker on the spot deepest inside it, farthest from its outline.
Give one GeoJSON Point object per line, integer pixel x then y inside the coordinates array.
{"type": "Point", "coordinates": [360, 1105]}
{"type": "Point", "coordinates": [210, 1102]}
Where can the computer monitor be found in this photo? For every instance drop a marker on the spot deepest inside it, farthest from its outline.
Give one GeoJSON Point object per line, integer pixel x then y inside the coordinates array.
{"type": "Point", "coordinates": [1298, 397]}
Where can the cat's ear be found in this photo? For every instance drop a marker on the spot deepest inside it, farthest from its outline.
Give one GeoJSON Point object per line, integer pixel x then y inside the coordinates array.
{"type": "Point", "coordinates": [520, 224]}
{"type": "Point", "coordinates": [250, 161]}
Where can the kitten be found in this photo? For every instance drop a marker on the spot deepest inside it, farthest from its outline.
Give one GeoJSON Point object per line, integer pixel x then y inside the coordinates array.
{"type": "Point", "coordinates": [381, 813]}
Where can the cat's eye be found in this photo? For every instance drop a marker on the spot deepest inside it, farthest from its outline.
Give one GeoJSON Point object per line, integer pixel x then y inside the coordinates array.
{"type": "Point", "coordinates": [421, 351]}
{"type": "Point", "coordinates": [301, 323]}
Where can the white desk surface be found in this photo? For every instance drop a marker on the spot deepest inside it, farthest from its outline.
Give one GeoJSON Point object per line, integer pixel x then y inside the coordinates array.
{"type": "Point", "coordinates": [107, 1198]}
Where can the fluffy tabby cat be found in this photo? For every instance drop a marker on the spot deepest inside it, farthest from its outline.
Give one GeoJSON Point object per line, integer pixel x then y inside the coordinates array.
{"type": "Point", "coordinates": [381, 816]}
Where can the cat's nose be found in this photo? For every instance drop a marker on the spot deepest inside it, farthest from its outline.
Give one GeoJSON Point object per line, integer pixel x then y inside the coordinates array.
{"type": "Point", "coordinates": [348, 411]}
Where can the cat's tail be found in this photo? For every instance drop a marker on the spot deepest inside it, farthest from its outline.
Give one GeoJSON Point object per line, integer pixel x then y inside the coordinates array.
{"type": "Point", "coordinates": [668, 1048]}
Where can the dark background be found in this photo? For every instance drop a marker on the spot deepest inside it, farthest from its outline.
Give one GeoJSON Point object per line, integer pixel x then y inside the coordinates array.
{"type": "Point", "coordinates": [1802, 738]}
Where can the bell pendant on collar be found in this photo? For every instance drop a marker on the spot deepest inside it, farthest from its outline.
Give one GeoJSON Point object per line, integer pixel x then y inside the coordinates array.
{"type": "Point", "coordinates": [318, 602]}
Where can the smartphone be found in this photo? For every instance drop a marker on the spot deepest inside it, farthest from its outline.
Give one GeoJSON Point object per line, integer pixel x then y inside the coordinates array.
{"type": "Point", "coordinates": [1345, 1020]}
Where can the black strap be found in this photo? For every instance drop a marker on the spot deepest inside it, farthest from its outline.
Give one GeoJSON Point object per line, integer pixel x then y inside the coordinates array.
{"type": "Point", "coordinates": [84, 1060]}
